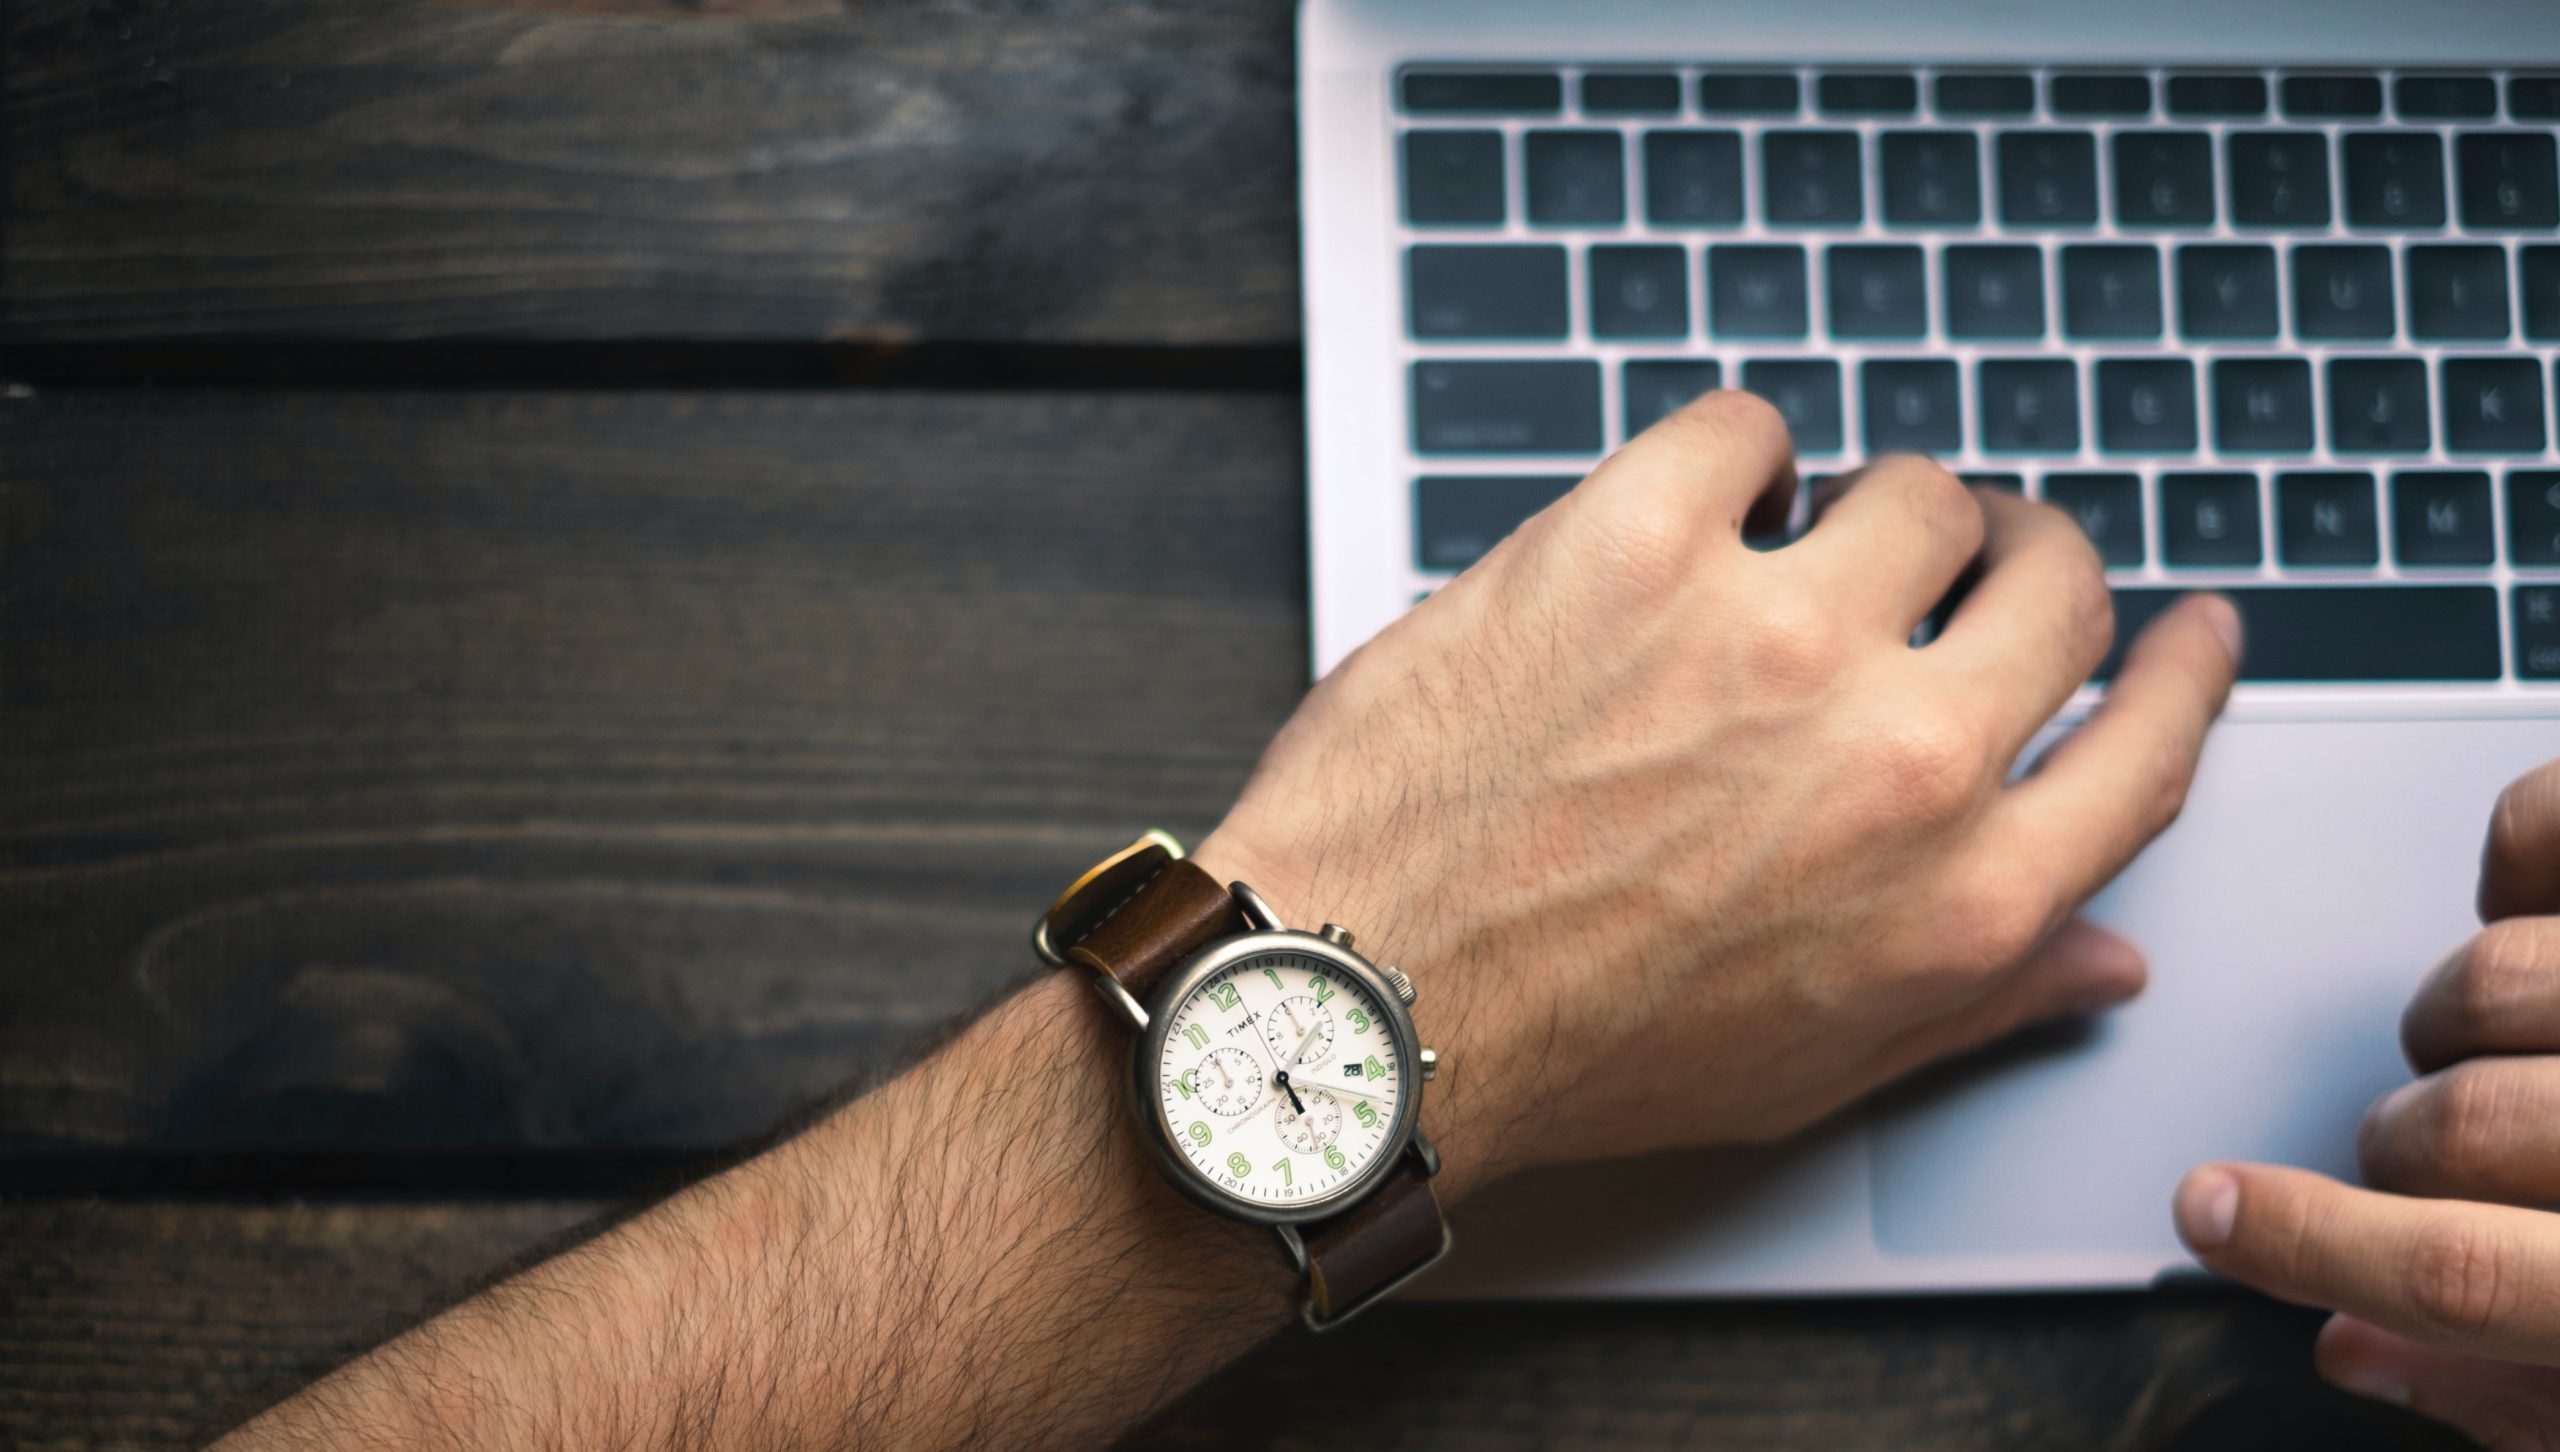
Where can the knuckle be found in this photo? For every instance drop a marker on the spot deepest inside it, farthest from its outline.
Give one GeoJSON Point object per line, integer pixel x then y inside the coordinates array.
{"type": "Point", "coordinates": [2457, 1282]}
{"type": "Point", "coordinates": [1729, 417]}
{"type": "Point", "coordinates": [1934, 494]}
{"type": "Point", "coordinates": [1996, 919]}
{"type": "Point", "coordinates": [1932, 764]}
{"type": "Point", "coordinates": [2167, 777]}
{"type": "Point", "coordinates": [2088, 608]}
{"type": "Point", "coordinates": [1793, 644]}
{"type": "Point", "coordinates": [2501, 968]}
{"type": "Point", "coordinates": [1635, 544]}
{"type": "Point", "coordinates": [2465, 1121]}
{"type": "Point", "coordinates": [2526, 810]}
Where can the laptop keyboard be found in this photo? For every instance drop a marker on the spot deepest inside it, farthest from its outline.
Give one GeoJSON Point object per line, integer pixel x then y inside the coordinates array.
{"type": "Point", "coordinates": [2290, 336]}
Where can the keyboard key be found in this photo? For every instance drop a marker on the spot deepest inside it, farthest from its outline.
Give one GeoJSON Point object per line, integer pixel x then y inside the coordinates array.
{"type": "Point", "coordinates": [1640, 292]}
{"type": "Point", "coordinates": [1693, 178]}
{"type": "Point", "coordinates": [2163, 178]}
{"type": "Point", "coordinates": [2395, 179]}
{"type": "Point", "coordinates": [2378, 406]}
{"type": "Point", "coordinates": [2111, 291]}
{"type": "Point", "coordinates": [2279, 179]}
{"type": "Point", "coordinates": [1576, 179]}
{"type": "Point", "coordinates": [1656, 388]}
{"type": "Point", "coordinates": [2100, 95]}
{"type": "Point", "coordinates": [2209, 519]}
{"type": "Point", "coordinates": [2541, 289]}
{"type": "Point", "coordinates": [1483, 93]}
{"type": "Point", "coordinates": [2492, 405]}
{"type": "Point", "coordinates": [1877, 291]}
{"type": "Point", "coordinates": [2048, 178]}
{"type": "Point", "coordinates": [2226, 292]}
{"type": "Point", "coordinates": [2012, 483]}
{"type": "Point", "coordinates": [2441, 517]}
{"type": "Point", "coordinates": [2342, 292]}
{"type": "Point", "coordinates": [2537, 614]}
{"type": "Point", "coordinates": [1806, 392]}
{"type": "Point", "coordinates": [1551, 406]}
{"type": "Point", "coordinates": [1631, 93]}
{"type": "Point", "coordinates": [2533, 517]}
{"type": "Point", "coordinates": [1485, 292]}
{"type": "Point", "coordinates": [2028, 405]}
{"type": "Point", "coordinates": [1994, 291]}
{"type": "Point", "coordinates": [2444, 97]}
{"type": "Point", "coordinates": [2533, 98]}
{"type": "Point", "coordinates": [2456, 291]}
{"type": "Point", "coordinates": [2262, 405]}
{"type": "Point", "coordinates": [1912, 404]}
{"type": "Point", "coordinates": [1749, 93]}
{"type": "Point", "coordinates": [2509, 179]}
{"type": "Point", "coordinates": [1458, 518]}
{"type": "Point", "coordinates": [2212, 95]}
{"type": "Point", "coordinates": [1867, 94]}
{"type": "Point", "coordinates": [1453, 178]}
{"type": "Point", "coordinates": [2344, 632]}
{"type": "Point", "coordinates": [1931, 178]}
{"type": "Point", "coordinates": [1756, 290]}
{"type": "Point", "coordinates": [2108, 508]}
{"type": "Point", "coordinates": [1811, 178]}
{"type": "Point", "coordinates": [2325, 96]}
{"type": "Point", "coordinates": [2146, 406]}
{"type": "Point", "coordinates": [2327, 518]}
{"type": "Point", "coordinates": [1985, 94]}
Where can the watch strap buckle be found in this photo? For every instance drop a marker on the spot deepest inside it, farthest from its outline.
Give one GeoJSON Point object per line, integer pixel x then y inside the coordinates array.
{"type": "Point", "coordinates": [1099, 893]}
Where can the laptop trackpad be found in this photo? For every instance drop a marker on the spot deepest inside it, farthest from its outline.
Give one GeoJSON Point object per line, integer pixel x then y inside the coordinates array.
{"type": "Point", "coordinates": [2320, 868]}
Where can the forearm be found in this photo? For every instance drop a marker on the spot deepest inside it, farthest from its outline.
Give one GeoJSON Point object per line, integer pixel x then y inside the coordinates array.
{"type": "Point", "coordinates": [978, 1252]}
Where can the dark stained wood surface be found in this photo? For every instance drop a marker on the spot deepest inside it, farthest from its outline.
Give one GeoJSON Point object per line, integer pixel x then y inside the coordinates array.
{"type": "Point", "coordinates": [1080, 171]}
{"type": "Point", "coordinates": [587, 769]}
{"type": "Point", "coordinates": [141, 1325]}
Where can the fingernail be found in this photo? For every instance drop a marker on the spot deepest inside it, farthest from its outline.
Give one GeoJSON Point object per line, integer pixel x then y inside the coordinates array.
{"type": "Point", "coordinates": [2370, 1381]}
{"type": "Point", "coordinates": [2224, 617]}
{"type": "Point", "coordinates": [2208, 1203]}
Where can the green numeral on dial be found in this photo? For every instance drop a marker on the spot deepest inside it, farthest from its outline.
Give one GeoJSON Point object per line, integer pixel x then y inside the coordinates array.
{"type": "Point", "coordinates": [1274, 975]}
{"type": "Point", "coordinates": [1333, 1157]}
{"type": "Point", "coordinates": [1199, 1036]}
{"type": "Point", "coordinates": [1368, 1117]}
{"type": "Point", "coordinates": [1376, 1069]}
{"type": "Point", "coordinates": [1359, 1021]}
{"type": "Point", "coordinates": [1288, 1174]}
{"type": "Point", "coordinates": [1240, 1165]}
{"type": "Point", "coordinates": [1224, 995]}
{"type": "Point", "coordinates": [1199, 1134]}
{"type": "Point", "coordinates": [1323, 989]}
{"type": "Point", "coordinates": [1182, 1082]}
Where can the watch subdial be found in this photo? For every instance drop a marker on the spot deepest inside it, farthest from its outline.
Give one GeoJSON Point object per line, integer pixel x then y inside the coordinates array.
{"type": "Point", "coordinates": [1311, 1132]}
{"type": "Point", "coordinates": [1300, 1032]}
{"type": "Point", "coordinates": [1229, 1081]}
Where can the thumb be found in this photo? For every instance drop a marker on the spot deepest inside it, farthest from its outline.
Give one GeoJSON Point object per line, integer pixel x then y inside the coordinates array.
{"type": "Point", "coordinates": [2504, 1406]}
{"type": "Point", "coordinates": [2081, 968]}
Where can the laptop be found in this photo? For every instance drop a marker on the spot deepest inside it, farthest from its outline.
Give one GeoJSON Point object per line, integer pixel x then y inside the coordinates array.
{"type": "Point", "coordinates": [2267, 296]}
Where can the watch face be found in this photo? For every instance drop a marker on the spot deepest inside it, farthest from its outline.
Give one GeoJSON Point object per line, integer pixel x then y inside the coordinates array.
{"type": "Point", "coordinates": [1280, 1078]}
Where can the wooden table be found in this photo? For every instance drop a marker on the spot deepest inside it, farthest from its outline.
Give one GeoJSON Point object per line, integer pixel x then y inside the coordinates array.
{"type": "Point", "coordinates": [569, 567]}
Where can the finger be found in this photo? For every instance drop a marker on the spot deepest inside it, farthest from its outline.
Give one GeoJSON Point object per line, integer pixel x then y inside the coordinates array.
{"type": "Point", "coordinates": [2497, 994]}
{"type": "Point", "coordinates": [1890, 541]}
{"type": "Point", "coordinates": [2464, 1277]}
{"type": "Point", "coordinates": [2121, 778]}
{"type": "Point", "coordinates": [2520, 865]}
{"type": "Point", "coordinates": [2506, 1406]}
{"type": "Point", "coordinates": [2487, 1129]}
{"type": "Point", "coordinates": [2081, 969]}
{"type": "Point", "coordinates": [2036, 622]}
{"type": "Point", "coordinates": [1721, 461]}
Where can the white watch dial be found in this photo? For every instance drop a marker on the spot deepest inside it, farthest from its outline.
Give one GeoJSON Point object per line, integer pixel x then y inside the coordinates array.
{"type": "Point", "coordinates": [1323, 1068]}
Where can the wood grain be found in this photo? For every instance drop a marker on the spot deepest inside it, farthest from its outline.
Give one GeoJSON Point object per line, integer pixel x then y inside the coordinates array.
{"type": "Point", "coordinates": [141, 1325]}
{"type": "Point", "coordinates": [1075, 171]}
{"type": "Point", "coordinates": [587, 770]}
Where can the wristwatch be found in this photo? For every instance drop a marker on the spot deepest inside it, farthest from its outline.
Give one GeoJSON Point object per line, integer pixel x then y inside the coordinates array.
{"type": "Point", "coordinates": [1276, 1075]}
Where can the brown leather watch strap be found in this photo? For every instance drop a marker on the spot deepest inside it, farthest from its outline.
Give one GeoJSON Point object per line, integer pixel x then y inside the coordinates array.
{"type": "Point", "coordinates": [1360, 1254]}
{"type": "Point", "coordinates": [1175, 914]}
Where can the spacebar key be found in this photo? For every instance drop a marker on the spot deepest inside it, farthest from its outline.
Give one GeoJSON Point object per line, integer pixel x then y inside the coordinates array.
{"type": "Point", "coordinates": [2340, 633]}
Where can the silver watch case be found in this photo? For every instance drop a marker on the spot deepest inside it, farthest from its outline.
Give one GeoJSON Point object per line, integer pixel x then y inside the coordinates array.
{"type": "Point", "coordinates": [1148, 1050]}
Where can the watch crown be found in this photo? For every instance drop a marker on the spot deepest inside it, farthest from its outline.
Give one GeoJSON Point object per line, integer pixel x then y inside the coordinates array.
{"type": "Point", "coordinates": [1336, 934]}
{"type": "Point", "coordinates": [1430, 1065]}
{"type": "Point", "coordinates": [1402, 985]}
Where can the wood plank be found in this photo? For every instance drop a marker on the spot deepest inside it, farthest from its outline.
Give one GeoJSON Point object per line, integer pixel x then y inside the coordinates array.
{"type": "Point", "coordinates": [141, 1325]}
{"type": "Point", "coordinates": [1083, 171]}
{"type": "Point", "coordinates": [587, 769]}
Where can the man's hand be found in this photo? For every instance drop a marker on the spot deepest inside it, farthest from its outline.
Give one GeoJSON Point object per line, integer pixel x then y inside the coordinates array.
{"type": "Point", "coordinates": [1686, 843]}
{"type": "Point", "coordinates": [2447, 1284]}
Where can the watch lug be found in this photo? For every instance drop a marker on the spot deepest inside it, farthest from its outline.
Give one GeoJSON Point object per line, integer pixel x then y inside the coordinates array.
{"type": "Point", "coordinates": [1120, 1001]}
{"type": "Point", "coordinates": [1425, 1151]}
{"type": "Point", "coordinates": [1294, 1244]}
{"type": "Point", "coordinates": [1256, 911]}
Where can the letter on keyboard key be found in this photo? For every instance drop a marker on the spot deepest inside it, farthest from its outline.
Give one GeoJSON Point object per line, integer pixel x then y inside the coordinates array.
{"type": "Point", "coordinates": [2110, 291]}
{"type": "Point", "coordinates": [2164, 178]}
{"type": "Point", "coordinates": [2210, 519]}
{"type": "Point", "coordinates": [1453, 178]}
{"type": "Point", "coordinates": [2108, 508]}
{"type": "Point", "coordinates": [1994, 291]}
{"type": "Point", "coordinates": [2441, 517]}
{"type": "Point", "coordinates": [1755, 290]}
{"type": "Point", "coordinates": [2029, 405]}
{"type": "Point", "coordinates": [2492, 405]}
{"type": "Point", "coordinates": [2342, 292]}
{"type": "Point", "coordinates": [2510, 179]}
{"type": "Point", "coordinates": [2395, 179]}
{"type": "Point", "coordinates": [2048, 178]}
{"type": "Point", "coordinates": [2344, 633]}
{"type": "Point", "coordinates": [1639, 292]}
{"type": "Point", "coordinates": [1812, 178]}
{"type": "Point", "coordinates": [1911, 405]}
{"type": "Point", "coordinates": [1550, 406]}
{"type": "Point", "coordinates": [2326, 518]}
{"type": "Point", "coordinates": [1806, 392]}
{"type": "Point", "coordinates": [2457, 291]}
{"type": "Point", "coordinates": [1877, 291]}
{"type": "Point", "coordinates": [1656, 388]}
{"type": "Point", "coordinates": [2227, 292]}
{"type": "Point", "coordinates": [2279, 179]}
{"type": "Point", "coordinates": [1456, 519]}
{"type": "Point", "coordinates": [2262, 405]}
{"type": "Point", "coordinates": [2533, 517]}
{"type": "Point", "coordinates": [1693, 178]}
{"type": "Point", "coordinates": [1932, 179]}
{"type": "Point", "coordinates": [2146, 406]}
{"type": "Point", "coordinates": [2378, 406]}
{"type": "Point", "coordinates": [1485, 292]}
{"type": "Point", "coordinates": [2537, 612]}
